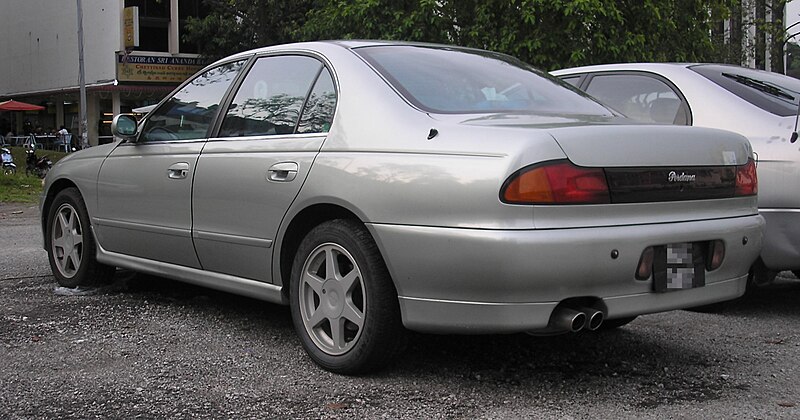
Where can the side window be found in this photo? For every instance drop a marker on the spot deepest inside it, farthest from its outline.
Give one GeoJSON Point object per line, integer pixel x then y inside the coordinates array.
{"type": "Point", "coordinates": [188, 114]}
{"type": "Point", "coordinates": [573, 80]}
{"type": "Point", "coordinates": [271, 97]}
{"type": "Point", "coordinates": [640, 97]}
{"type": "Point", "coordinates": [318, 113]}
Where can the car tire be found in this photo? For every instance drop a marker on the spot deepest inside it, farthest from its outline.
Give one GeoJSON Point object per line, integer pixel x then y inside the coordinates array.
{"type": "Point", "coordinates": [612, 324]}
{"type": "Point", "coordinates": [70, 244]}
{"type": "Point", "coordinates": [760, 275]}
{"type": "Point", "coordinates": [343, 302]}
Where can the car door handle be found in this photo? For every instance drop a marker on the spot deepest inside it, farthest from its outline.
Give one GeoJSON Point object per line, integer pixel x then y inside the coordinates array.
{"type": "Point", "coordinates": [178, 170]}
{"type": "Point", "coordinates": [282, 172]}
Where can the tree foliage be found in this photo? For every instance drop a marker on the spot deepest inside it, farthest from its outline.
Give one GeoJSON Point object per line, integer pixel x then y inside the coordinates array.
{"type": "Point", "coordinates": [547, 33]}
{"type": "Point", "coordinates": [237, 25]}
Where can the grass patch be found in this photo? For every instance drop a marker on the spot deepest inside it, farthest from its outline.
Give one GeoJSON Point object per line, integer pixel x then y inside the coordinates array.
{"type": "Point", "coordinates": [21, 188]}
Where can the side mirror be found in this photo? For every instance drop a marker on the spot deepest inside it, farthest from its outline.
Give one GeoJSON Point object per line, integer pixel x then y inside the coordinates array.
{"type": "Point", "coordinates": [124, 125]}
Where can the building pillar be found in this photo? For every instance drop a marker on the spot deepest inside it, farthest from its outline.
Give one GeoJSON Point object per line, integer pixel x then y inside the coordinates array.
{"type": "Point", "coordinates": [174, 22]}
{"type": "Point", "coordinates": [93, 117]}
{"type": "Point", "coordinates": [116, 103]}
{"type": "Point", "coordinates": [59, 111]}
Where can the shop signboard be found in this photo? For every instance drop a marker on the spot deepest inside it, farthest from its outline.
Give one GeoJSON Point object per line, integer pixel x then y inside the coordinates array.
{"type": "Point", "coordinates": [130, 27]}
{"type": "Point", "coordinates": [156, 68]}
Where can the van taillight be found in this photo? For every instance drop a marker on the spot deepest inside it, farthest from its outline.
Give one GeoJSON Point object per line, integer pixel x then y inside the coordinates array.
{"type": "Point", "coordinates": [746, 179]}
{"type": "Point", "coordinates": [556, 182]}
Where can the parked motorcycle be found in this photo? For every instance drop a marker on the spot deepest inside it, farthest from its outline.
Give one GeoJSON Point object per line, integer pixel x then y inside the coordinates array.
{"type": "Point", "coordinates": [38, 166]}
{"type": "Point", "coordinates": [9, 167]}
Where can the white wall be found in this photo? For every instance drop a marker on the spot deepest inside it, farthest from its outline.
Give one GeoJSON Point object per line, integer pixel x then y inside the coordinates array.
{"type": "Point", "coordinates": [39, 43]}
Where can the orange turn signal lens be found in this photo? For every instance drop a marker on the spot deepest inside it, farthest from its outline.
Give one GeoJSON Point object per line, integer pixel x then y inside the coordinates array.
{"type": "Point", "coordinates": [557, 182]}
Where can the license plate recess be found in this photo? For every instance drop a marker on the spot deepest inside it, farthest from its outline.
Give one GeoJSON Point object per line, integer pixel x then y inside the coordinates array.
{"type": "Point", "coordinates": [679, 266]}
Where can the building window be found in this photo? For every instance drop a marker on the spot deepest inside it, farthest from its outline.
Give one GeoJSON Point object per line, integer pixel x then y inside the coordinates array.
{"type": "Point", "coordinates": [153, 24]}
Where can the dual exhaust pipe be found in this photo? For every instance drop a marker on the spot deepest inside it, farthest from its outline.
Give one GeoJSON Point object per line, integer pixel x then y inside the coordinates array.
{"type": "Point", "coordinates": [575, 319]}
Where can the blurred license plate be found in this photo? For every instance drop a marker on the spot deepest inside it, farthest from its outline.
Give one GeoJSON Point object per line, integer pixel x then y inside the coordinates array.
{"type": "Point", "coordinates": [678, 266]}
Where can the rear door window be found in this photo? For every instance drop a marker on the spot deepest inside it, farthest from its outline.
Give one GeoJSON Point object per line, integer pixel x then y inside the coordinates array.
{"type": "Point", "coordinates": [272, 96]}
{"type": "Point", "coordinates": [640, 96]}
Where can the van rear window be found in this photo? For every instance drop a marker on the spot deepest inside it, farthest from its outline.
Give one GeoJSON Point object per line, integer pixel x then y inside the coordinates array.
{"type": "Point", "coordinates": [771, 92]}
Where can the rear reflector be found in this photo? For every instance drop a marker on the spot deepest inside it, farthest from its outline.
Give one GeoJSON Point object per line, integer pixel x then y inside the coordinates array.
{"type": "Point", "coordinates": [716, 254]}
{"type": "Point", "coordinates": [645, 267]}
{"type": "Point", "coordinates": [556, 182]}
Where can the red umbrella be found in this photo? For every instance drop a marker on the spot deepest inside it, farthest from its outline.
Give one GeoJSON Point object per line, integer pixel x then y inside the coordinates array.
{"type": "Point", "coordinates": [12, 105]}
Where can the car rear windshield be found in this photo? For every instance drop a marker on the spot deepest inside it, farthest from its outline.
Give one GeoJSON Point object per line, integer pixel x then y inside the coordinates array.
{"type": "Point", "coordinates": [457, 81]}
{"type": "Point", "coordinates": [771, 92]}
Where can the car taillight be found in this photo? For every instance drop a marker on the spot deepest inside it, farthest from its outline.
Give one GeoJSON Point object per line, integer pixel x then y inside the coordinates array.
{"type": "Point", "coordinates": [556, 182]}
{"type": "Point", "coordinates": [746, 179]}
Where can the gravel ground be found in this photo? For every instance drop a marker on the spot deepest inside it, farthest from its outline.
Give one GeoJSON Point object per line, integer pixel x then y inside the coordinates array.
{"type": "Point", "coordinates": [147, 347]}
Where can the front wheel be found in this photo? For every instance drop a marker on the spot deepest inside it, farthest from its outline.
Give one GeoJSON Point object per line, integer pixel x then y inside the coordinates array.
{"type": "Point", "coordinates": [9, 170]}
{"type": "Point", "coordinates": [70, 245]}
{"type": "Point", "coordinates": [343, 302]}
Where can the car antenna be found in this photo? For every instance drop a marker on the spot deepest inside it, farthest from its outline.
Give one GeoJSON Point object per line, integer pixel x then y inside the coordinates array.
{"type": "Point", "coordinates": [796, 117]}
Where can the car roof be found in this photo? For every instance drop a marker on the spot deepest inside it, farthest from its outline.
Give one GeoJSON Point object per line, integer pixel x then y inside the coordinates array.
{"type": "Point", "coordinates": [621, 66]}
{"type": "Point", "coordinates": [641, 66]}
{"type": "Point", "coordinates": [327, 44]}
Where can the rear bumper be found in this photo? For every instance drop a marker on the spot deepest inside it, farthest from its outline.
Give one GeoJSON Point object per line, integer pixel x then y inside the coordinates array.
{"type": "Point", "coordinates": [452, 280]}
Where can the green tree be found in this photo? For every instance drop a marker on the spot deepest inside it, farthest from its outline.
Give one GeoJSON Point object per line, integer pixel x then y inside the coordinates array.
{"type": "Point", "coordinates": [546, 33]}
{"type": "Point", "coordinates": [237, 25]}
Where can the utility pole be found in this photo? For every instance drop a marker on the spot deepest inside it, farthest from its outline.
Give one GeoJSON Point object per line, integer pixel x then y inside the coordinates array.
{"type": "Point", "coordinates": [84, 125]}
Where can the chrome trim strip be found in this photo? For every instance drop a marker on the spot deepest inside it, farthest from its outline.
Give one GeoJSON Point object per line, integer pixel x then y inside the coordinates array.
{"type": "Point", "coordinates": [183, 233]}
{"type": "Point", "coordinates": [226, 283]}
{"type": "Point", "coordinates": [779, 210]}
{"type": "Point", "coordinates": [465, 302]}
{"type": "Point", "coordinates": [232, 239]}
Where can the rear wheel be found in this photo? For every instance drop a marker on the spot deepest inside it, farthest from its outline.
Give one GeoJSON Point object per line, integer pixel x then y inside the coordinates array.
{"type": "Point", "coordinates": [344, 304]}
{"type": "Point", "coordinates": [760, 275]}
{"type": "Point", "coordinates": [70, 245]}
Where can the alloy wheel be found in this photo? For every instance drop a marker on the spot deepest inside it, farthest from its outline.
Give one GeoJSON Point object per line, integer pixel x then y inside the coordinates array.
{"type": "Point", "coordinates": [67, 240]}
{"type": "Point", "coordinates": [332, 299]}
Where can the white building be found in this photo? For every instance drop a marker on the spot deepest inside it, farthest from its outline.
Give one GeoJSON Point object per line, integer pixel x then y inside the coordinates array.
{"type": "Point", "coordinates": [39, 59]}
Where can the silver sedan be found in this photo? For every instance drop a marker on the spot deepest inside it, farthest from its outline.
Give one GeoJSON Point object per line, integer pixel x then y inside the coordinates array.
{"type": "Point", "coordinates": [762, 106]}
{"type": "Point", "coordinates": [380, 187]}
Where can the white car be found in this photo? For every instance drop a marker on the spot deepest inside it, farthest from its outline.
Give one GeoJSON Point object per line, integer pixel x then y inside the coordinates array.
{"type": "Point", "coordinates": [760, 105]}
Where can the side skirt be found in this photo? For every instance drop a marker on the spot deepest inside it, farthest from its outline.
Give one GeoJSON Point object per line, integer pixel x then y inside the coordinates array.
{"type": "Point", "coordinates": [226, 283]}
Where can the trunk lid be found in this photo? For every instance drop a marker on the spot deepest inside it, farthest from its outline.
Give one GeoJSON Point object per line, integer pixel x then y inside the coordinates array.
{"type": "Point", "coordinates": [652, 146]}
